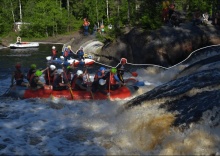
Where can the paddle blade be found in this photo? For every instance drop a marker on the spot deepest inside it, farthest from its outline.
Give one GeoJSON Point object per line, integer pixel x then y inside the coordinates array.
{"type": "Point", "coordinates": [134, 74]}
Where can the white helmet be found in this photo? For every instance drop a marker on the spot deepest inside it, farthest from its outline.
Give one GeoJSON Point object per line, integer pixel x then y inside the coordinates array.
{"type": "Point", "coordinates": [102, 82]}
{"type": "Point", "coordinates": [79, 72]}
{"type": "Point", "coordinates": [53, 47]}
{"type": "Point", "coordinates": [59, 71]}
{"type": "Point", "coordinates": [52, 67]}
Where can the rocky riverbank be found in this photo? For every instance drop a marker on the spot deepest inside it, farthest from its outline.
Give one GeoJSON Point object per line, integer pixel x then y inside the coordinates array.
{"type": "Point", "coordinates": [166, 46]}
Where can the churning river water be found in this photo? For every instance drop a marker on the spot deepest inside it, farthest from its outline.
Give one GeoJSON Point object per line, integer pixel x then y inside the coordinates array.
{"type": "Point", "coordinates": [175, 113]}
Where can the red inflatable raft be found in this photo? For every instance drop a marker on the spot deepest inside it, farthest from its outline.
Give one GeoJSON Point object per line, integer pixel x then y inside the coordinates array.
{"type": "Point", "coordinates": [25, 93]}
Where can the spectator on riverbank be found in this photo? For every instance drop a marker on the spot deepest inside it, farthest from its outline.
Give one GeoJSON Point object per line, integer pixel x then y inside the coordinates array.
{"type": "Point", "coordinates": [86, 24]}
{"type": "Point", "coordinates": [102, 27]}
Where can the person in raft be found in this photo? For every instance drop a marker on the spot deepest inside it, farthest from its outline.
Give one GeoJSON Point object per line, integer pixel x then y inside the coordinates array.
{"type": "Point", "coordinates": [113, 78]}
{"type": "Point", "coordinates": [68, 53]}
{"type": "Point", "coordinates": [59, 83]}
{"type": "Point", "coordinates": [80, 54]}
{"type": "Point", "coordinates": [35, 82]}
{"type": "Point", "coordinates": [54, 53]}
{"type": "Point", "coordinates": [31, 71]}
{"type": "Point", "coordinates": [18, 76]}
{"type": "Point", "coordinates": [77, 81]}
{"type": "Point", "coordinates": [121, 69]}
{"type": "Point", "coordinates": [49, 74]}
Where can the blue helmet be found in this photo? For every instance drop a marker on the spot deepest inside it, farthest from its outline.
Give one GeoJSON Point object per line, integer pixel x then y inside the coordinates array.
{"type": "Point", "coordinates": [102, 68]}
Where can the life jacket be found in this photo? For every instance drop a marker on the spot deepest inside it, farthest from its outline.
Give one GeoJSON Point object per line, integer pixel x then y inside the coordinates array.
{"type": "Point", "coordinates": [30, 73]}
{"type": "Point", "coordinates": [54, 52]}
{"type": "Point", "coordinates": [86, 23]}
{"type": "Point", "coordinates": [32, 81]}
{"type": "Point", "coordinates": [112, 80]}
{"type": "Point", "coordinates": [66, 53]}
{"type": "Point", "coordinates": [51, 76]}
{"type": "Point", "coordinates": [18, 75]}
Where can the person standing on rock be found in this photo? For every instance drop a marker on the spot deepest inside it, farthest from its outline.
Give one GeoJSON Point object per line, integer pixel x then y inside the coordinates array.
{"type": "Point", "coordinates": [86, 24]}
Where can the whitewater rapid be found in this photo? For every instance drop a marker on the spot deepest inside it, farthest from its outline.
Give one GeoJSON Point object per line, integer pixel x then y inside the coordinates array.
{"type": "Point", "coordinates": [141, 125]}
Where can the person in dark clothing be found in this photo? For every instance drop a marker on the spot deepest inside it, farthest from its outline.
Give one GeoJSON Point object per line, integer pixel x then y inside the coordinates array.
{"type": "Point", "coordinates": [18, 76]}
{"type": "Point", "coordinates": [80, 54]}
{"type": "Point", "coordinates": [31, 71]}
{"type": "Point", "coordinates": [77, 81]}
{"type": "Point", "coordinates": [99, 74]}
{"type": "Point", "coordinates": [35, 82]}
{"type": "Point", "coordinates": [49, 74]}
{"type": "Point", "coordinates": [121, 69]}
{"type": "Point", "coordinates": [98, 84]}
{"type": "Point", "coordinates": [58, 83]}
{"type": "Point", "coordinates": [67, 74]}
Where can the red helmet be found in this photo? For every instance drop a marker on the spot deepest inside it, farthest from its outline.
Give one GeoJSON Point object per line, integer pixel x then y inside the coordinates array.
{"type": "Point", "coordinates": [18, 66]}
{"type": "Point", "coordinates": [123, 60]}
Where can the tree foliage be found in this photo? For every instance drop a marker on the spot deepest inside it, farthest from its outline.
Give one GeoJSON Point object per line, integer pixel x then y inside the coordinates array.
{"type": "Point", "coordinates": [52, 17]}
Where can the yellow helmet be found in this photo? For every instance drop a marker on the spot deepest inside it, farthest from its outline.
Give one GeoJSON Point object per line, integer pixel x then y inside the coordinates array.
{"type": "Point", "coordinates": [69, 47]}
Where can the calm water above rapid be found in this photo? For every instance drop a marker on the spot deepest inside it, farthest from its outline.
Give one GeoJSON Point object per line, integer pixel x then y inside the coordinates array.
{"type": "Point", "coordinates": [9, 57]}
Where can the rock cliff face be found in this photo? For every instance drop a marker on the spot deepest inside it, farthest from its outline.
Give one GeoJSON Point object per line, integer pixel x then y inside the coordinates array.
{"type": "Point", "coordinates": [166, 46]}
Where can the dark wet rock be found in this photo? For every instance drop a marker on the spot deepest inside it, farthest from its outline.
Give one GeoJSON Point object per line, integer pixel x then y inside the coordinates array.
{"type": "Point", "coordinates": [190, 96]}
{"type": "Point", "coordinates": [166, 46]}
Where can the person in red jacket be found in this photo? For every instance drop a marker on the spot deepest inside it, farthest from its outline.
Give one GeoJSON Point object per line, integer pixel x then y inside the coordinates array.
{"type": "Point", "coordinates": [114, 80]}
{"type": "Point", "coordinates": [86, 24]}
{"type": "Point", "coordinates": [54, 53]}
{"type": "Point", "coordinates": [50, 74]}
{"type": "Point", "coordinates": [18, 76]}
{"type": "Point", "coordinates": [68, 53]}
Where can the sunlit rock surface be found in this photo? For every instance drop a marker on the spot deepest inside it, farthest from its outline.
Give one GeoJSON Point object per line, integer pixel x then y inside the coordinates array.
{"type": "Point", "coordinates": [166, 46]}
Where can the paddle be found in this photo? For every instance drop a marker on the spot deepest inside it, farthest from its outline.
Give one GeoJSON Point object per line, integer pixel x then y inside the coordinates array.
{"type": "Point", "coordinates": [88, 78]}
{"type": "Point", "coordinates": [69, 86]}
{"type": "Point", "coordinates": [109, 86]}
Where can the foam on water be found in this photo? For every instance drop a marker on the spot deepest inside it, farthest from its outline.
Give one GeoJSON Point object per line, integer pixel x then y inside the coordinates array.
{"type": "Point", "coordinates": [60, 127]}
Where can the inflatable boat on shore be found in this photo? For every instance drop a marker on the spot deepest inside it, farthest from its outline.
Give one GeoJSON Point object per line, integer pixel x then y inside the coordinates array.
{"type": "Point", "coordinates": [20, 45]}
{"type": "Point", "coordinates": [71, 61]}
